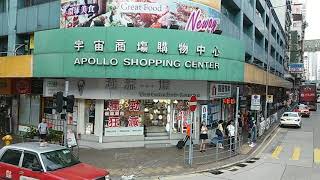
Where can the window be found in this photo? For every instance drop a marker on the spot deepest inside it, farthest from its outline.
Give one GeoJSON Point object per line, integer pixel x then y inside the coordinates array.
{"type": "Point", "coordinates": [11, 157]}
{"type": "Point", "coordinates": [31, 161]}
{"type": "Point", "coordinates": [58, 159]}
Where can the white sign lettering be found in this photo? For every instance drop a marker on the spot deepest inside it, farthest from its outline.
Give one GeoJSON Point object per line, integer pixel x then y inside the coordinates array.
{"type": "Point", "coordinates": [142, 47]}
{"type": "Point", "coordinates": [120, 46]}
{"type": "Point", "coordinates": [201, 49]}
{"type": "Point", "coordinates": [79, 44]}
{"type": "Point", "coordinates": [183, 48]}
{"type": "Point", "coordinates": [99, 46]}
{"type": "Point", "coordinates": [211, 65]}
{"type": "Point", "coordinates": [162, 47]}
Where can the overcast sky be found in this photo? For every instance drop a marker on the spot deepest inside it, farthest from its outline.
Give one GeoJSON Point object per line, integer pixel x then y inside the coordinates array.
{"type": "Point", "coordinates": [312, 17]}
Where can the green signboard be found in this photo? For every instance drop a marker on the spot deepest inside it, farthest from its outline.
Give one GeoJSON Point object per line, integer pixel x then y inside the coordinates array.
{"type": "Point", "coordinates": [121, 52]}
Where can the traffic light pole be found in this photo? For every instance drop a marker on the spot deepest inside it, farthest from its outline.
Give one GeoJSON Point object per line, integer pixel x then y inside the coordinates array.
{"type": "Point", "coordinates": [66, 91]}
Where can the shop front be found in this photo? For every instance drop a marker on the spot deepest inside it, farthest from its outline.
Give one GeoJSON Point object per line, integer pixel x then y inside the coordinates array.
{"type": "Point", "coordinates": [16, 87]}
{"type": "Point", "coordinates": [132, 108]}
{"type": "Point", "coordinates": [131, 88]}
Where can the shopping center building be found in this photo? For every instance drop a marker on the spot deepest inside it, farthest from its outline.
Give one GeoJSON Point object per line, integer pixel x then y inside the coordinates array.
{"type": "Point", "coordinates": [132, 66]}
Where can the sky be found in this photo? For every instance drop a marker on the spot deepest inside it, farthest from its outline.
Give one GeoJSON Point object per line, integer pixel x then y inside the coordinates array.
{"type": "Point", "coordinates": [312, 17]}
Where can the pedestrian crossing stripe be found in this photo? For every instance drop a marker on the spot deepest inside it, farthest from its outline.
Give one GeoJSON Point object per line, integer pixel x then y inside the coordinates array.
{"type": "Point", "coordinates": [316, 156]}
{"type": "Point", "coordinates": [296, 154]}
{"type": "Point", "coordinates": [276, 152]}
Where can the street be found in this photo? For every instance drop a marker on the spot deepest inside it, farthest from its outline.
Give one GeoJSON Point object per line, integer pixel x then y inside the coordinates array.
{"type": "Point", "coordinates": [291, 154]}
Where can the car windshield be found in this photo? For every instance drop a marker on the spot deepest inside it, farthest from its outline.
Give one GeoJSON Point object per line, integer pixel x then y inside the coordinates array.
{"type": "Point", "coordinates": [58, 159]}
{"type": "Point", "coordinates": [290, 115]}
{"type": "Point", "coordinates": [303, 107]}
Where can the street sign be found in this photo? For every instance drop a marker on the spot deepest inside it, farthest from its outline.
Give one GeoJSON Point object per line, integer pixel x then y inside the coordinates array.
{"type": "Point", "coordinates": [270, 99]}
{"type": "Point", "coordinates": [296, 68]}
{"type": "Point", "coordinates": [255, 102]}
{"type": "Point", "coordinates": [204, 112]}
{"type": "Point", "coordinates": [193, 103]}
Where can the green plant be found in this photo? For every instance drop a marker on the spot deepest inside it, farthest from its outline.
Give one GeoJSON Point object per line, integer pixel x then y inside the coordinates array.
{"type": "Point", "coordinates": [55, 136]}
{"type": "Point", "coordinates": [32, 131]}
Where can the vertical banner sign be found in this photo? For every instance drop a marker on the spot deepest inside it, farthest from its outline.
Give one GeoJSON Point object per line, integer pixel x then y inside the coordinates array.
{"type": "Point", "coordinates": [204, 113]}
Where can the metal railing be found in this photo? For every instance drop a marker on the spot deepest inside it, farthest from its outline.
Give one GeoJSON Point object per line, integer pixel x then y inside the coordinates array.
{"type": "Point", "coordinates": [213, 152]}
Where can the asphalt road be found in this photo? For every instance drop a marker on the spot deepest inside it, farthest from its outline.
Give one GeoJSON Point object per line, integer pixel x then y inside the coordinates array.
{"type": "Point", "coordinates": [291, 154]}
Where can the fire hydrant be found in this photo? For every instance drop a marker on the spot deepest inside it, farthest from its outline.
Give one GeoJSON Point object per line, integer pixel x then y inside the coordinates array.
{"type": "Point", "coordinates": [7, 140]}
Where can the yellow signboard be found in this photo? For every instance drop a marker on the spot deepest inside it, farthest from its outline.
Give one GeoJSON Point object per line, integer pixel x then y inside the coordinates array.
{"type": "Point", "coordinates": [16, 66]}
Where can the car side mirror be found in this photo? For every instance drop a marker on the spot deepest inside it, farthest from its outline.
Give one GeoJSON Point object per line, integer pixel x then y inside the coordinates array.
{"type": "Point", "coordinates": [37, 169]}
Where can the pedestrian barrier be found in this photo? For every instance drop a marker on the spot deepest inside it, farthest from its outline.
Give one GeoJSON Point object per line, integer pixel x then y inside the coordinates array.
{"type": "Point", "coordinates": [213, 152]}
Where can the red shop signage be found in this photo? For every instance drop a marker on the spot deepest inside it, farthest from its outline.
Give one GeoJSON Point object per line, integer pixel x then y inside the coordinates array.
{"type": "Point", "coordinates": [22, 86]}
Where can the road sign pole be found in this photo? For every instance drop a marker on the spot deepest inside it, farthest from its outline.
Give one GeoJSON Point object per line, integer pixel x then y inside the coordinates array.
{"type": "Point", "coordinates": [66, 90]}
{"type": "Point", "coordinates": [192, 108]}
{"type": "Point", "coordinates": [190, 142]}
{"type": "Point", "coordinates": [236, 120]}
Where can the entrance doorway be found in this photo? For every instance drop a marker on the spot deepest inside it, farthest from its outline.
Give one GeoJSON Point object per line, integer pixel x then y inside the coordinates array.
{"type": "Point", "coordinates": [156, 114]}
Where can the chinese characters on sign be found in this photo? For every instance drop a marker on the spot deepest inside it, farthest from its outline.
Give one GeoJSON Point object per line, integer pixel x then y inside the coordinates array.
{"type": "Point", "coordinates": [99, 46]}
{"type": "Point", "coordinates": [114, 121]}
{"type": "Point", "coordinates": [134, 106]}
{"type": "Point", "coordinates": [133, 121]}
{"type": "Point", "coordinates": [142, 46]}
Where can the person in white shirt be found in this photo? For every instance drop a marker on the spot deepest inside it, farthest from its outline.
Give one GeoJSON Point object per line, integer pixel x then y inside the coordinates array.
{"type": "Point", "coordinates": [43, 130]}
{"type": "Point", "coordinates": [231, 130]}
{"type": "Point", "coordinates": [203, 136]}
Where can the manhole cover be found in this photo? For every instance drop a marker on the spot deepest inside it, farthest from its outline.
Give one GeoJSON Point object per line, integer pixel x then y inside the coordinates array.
{"type": "Point", "coordinates": [215, 172]}
{"type": "Point", "coordinates": [241, 165]}
{"type": "Point", "coordinates": [250, 161]}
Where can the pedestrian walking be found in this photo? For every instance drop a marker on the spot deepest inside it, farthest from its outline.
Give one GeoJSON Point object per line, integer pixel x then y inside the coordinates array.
{"type": "Point", "coordinates": [231, 130]}
{"type": "Point", "coordinates": [240, 124]}
{"type": "Point", "coordinates": [203, 136]}
{"type": "Point", "coordinates": [253, 134]}
{"type": "Point", "coordinates": [43, 130]}
{"type": "Point", "coordinates": [219, 133]}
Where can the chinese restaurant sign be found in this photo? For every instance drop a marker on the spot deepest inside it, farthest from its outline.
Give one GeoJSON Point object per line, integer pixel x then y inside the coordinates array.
{"type": "Point", "coordinates": [140, 53]}
{"type": "Point", "coordinates": [190, 15]}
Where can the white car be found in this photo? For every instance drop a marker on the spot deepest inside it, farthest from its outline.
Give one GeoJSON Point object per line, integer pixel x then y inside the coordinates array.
{"type": "Point", "coordinates": [291, 119]}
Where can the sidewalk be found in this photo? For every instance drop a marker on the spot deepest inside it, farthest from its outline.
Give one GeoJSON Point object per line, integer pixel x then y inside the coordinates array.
{"type": "Point", "coordinates": [151, 163]}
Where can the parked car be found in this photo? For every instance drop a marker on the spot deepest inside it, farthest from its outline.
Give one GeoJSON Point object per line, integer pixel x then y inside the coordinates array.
{"type": "Point", "coordinates": [50, 162]}
{"type": "Point", "coordinates": [303, 110]}
{"type": "Point", "coordinates": [291, 119]}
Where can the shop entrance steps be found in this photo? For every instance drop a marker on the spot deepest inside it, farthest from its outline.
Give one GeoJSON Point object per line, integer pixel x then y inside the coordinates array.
{"type": "Point", "coordinates": [156, 138]}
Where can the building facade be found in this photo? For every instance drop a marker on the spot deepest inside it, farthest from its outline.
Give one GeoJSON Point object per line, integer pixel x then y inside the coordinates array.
{"type": "Point", "coordinates": [133, 66]}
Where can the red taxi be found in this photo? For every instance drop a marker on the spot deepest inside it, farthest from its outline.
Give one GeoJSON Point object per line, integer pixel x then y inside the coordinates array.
{"type": "Point", "coordinates": [303, 110]}
{"type": "Point", "coordinates": [50, 162]}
